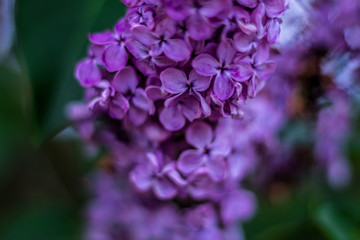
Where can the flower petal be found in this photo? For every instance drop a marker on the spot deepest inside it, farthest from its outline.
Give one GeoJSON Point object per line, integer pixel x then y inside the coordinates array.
{"type": "Point", "coordinates": [138, 50]}
{"type": "Point", "coordinates": [189, 161]}
{"type": "Point", "coordinates": [174, 80]}
{"type": "Point", "coordinates": [162, 61]}
{"type": "Point", "coordinates": [141, 100]}
{"type": "Point", "coordinates": [225, 52]}
{"type": "Point", "coordinates": [199, 135]}
{"type": "Point", "coordinates": [223, 87]}
{"type": "Point", "coordinates": [115, 57]}
{"type": "Point", "coordinates": [214, 8]}
{"type": "Point", "coordinates": [199, 27]}
{"type": "Point", "coordinates": [199, 83]}
{"type": "Point", "coordinates": [205, 107]}
{"type": "Point", "coordinates": [248, 3]}
{"type": "Point", "coordinates": [125, 80]}
{"type": "Point", "coordinates": [205, 65]}
{"type": "Point", "coordinates": [262, 54]}
{"type": "Point", "coordinates": [216, 167]}
{"type": "Point", "coordinates": [241, 71]}
{"type": "Point", "coordinates": [176, 50]}
{"type": "Point", "coordinates": [101, 38]}
{"type": "Point", "coordinates": [172, 118]}
{"type": "Point", "coordinates": [164, 188]}
{"type": "Point", "coordinates": [273, 31]}
{"type": "Point", "coordinates": [190, 108]}
{"type": "Point", "coordinates": [141, 178]}
{"type": "Point", "coordinates": [274, 8]}
{"type": "Point", "coordinates": [87, 73]}
{"type": "Point", "coordinates": [243, 42]}
{"type": "Point", "coordinates": [265, 70]}
{"type": "Point", "coordinates": [143, 35]}
{"type": "Point", "coordinates": [118, 107]}
{"type": "Point", "coordinates": [136, 116]}
{"type": "Point", "coordinates": [155, 93]}
{"type": "Point", "coordinates": [146, 67]}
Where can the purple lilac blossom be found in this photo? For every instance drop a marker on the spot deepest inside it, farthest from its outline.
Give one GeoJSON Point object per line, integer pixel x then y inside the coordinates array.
{"type": "Point", "coordinates": [165, 91]}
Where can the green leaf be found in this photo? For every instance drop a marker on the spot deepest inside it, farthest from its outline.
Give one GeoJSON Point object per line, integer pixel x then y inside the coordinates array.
{"type": "Point", "coordinates": [52, 38]}
{"type": "Point", "coordinates": [335, 224]}
{"type": "Point", "coordinates": [43, 222]}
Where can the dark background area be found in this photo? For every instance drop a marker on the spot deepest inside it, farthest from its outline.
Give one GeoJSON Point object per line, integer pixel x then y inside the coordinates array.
{"type": "Point", "coordinates": [43, 174]}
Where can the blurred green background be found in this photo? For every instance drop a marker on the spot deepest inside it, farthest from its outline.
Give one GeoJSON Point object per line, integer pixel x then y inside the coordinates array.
{"type": "Point", "coordinates": [43, 174]}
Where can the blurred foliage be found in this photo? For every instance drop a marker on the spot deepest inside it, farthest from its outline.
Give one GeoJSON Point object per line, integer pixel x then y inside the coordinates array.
{"type": "Point", "coordinates": [42, 178]}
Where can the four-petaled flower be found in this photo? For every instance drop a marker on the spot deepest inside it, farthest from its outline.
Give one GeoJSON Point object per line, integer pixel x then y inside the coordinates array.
{"type": "Point", "coordinates": [210, 153]}
{"type": "Point", "coordinates": [153, 174]}
{"type": "Point", "coordinates": [226, 70]}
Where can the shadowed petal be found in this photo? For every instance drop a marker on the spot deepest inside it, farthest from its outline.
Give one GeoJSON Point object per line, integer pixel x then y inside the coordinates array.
{"type": "Point", "coordinates": [166, 28]}
{"type": "Point", "coordinates": [225, 52]}
{"type": "Point", "coordinates": [176, 50]}
{"type": "Point", "coordinates": [141, 101]}
{"type": "Point", "coordinates": [138, 50]}
{"type": "Point", "coordinates": [155, 93]}
{"type": "Point", "coordinates": [248, 3]}
{"type": "Point", "coordinates": [125, 80]}
{"type": "Point", "coordinates": [163, 61]}
{"type": "Point", "coordinates": [223, 87]}
{"type": "Point", "coordinates": [205, 65]}
{"type": "Point", "coordinates": [118, 107]}
{"type": "Point", "coordinates": [143, 35]}
{"type": "Point", "coordinates": [172, 118]}
{"type": "Point", "coordinates": [215, 7]}
{"type": "Point", "coordinates": [174, 80]}
{"type": "Point", "coordinates": [177, 10]}
{"type": "Point", "coordinates": [146, 67]}
{"type": "Point", "coordinates": [190, 107]}
{"type": "Point", "coordinates": [189, 161]}
{"type": "Point", "coordinates": [205, 107]}
{"type": "Point", "coordinates": [199, 135]}
{"type": "Point", "coordinates": [115, 57]}
{"type": "Point", "coordinates": [199, 28]}
{"type": "Point", "coordinates": [136, 116]}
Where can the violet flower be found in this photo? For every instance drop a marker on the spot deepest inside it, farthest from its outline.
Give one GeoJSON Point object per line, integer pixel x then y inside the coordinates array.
{"type": "Point", "coordinates": [174, 116]}
{"type": "Point", "coordinates": [208, 153]}
{"type": "Point", "coordinates": [152, 174]}
{"type": "Point", "coordinates": [87, 72]}
{"type": "Point", "coordinates": [161, 40]}
{"type": "Point", "coordinates": [227, 72]}
{"type": "Point", "coordinates": [114, 56]}
{"type": "Point", "coordinates": [175, 82]}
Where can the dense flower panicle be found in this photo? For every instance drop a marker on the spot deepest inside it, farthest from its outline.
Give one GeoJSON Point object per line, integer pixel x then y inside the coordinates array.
{"type": "Point", "coordinates": [173, 95]}
{"type": "Point", "coordinates": [212, 54]}
{"type": "Point", "coordinates": [172, 65]}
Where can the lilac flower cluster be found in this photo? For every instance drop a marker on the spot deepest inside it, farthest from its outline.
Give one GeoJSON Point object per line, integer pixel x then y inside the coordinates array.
{"type": "Point", "coordinates": [181, 60]}
{"type": "Point", "coordinates": [164, 92]}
